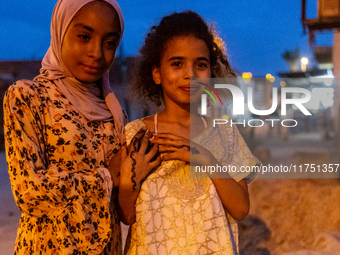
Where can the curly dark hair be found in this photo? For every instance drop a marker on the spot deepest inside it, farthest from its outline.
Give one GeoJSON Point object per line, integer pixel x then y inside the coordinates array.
{"type": "Point", "coordinates": [187, 23]}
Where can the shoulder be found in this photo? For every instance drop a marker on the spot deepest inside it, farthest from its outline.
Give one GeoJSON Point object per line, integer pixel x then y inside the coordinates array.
{"type": "Point", "coordinates": [146, 121]}
{"type": "Point", "coordinates": [27, 87]}
{"type": "Point", "coordinates": [132, 128]}
{"type": "Point", "coordinates": [22, 85]}
{"type": "Point", "coordinates": [28, 93]}
{"type": "Point", "coordinates": [135, 123]}
{"type": "Point", "coordinates": [149, 122]}
{"type": "Point", "coordinates": [21, 90]}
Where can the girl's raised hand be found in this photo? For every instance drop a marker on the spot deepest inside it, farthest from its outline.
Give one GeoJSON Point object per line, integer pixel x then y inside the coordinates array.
{"type": "Point", "coordinates": [180, 148]}
{"type": "Point", "coordinates": [137, 161]}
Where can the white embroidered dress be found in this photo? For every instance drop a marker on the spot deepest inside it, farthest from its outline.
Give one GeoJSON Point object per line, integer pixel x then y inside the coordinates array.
{"type": "Point", "coordinates": [176, 214]}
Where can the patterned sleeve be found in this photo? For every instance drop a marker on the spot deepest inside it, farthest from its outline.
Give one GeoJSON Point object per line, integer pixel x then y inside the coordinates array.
{"type": "Point", "coordinates": [242, 159]}
{"type": "Point", "coordinates": [74, 200]}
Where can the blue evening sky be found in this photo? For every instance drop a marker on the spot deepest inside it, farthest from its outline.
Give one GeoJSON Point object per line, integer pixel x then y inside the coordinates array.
{"type": "Point", "coordinates": [256, 32]}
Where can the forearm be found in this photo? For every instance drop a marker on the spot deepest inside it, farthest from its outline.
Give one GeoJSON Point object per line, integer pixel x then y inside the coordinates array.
{"type": "Point", "coordinates": [127, 197]}
{"type": "Point", "coordinates": [234, 195]}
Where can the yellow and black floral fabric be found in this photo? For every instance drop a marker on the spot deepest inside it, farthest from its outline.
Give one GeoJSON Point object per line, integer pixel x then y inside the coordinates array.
{"type": "Point", "coordinates": [57, 163]}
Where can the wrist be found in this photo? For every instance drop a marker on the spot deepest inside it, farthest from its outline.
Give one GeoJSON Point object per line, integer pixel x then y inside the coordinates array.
{"type": "Point", "coordinates": [127, 185]}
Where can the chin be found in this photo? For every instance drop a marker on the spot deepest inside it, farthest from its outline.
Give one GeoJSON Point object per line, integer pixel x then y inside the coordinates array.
{"type": "Point", "coordinates": [195, 99]}
{"type": "Point", "coordinates": [88, 79]}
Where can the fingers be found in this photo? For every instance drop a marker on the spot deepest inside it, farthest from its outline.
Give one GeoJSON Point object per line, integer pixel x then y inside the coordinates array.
{"type": "Point", "coordinates": [140, 141]}
{"type": "Point", "coordinates": [166, 148]}
{"type": "Point", "coordinates": [144, 143]}
{"type": "Point", "coordinates": [153, 151]}
{"type": "Point", "coordinates": [134, 145]}
{"type": "Point", "coordinates": [170, 142]}
{"type": "Point", "coordinates": [144, 168]}
{"type": "Point", "coordinates": [173, 148]}
{"type": "Point", "coordinates": [155, 163]}
{"type": "Point", "coordinates": [165, 140]}
{"type": "Point", "coordinates": [150, 132]}
{"type": "Point", "coordinates": [169, 136]}
{"type": "Point", "coordinates": [141, 132]}
{"type": "Point", "coordinates": [151, 166]}
{"type": "Point", "coordinates": [135, 142]}
{"type": "Point", "coordinates": [176, 155]}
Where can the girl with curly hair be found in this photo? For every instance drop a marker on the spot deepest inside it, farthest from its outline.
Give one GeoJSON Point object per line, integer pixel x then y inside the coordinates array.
{"type": "Point", "coordinates": [173, 213]}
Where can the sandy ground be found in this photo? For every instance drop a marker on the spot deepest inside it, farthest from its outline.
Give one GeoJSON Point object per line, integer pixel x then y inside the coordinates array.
{"type": "Point", "coordinates": [9, 213]}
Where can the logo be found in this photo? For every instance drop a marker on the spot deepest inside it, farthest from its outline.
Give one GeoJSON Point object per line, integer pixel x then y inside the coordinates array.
{"type": "Point", "coordinates": [238, 100]}
{"type": "Point", "coordinates": [283, 102]}
{"type": "Point", "coordinates": [204, 97]}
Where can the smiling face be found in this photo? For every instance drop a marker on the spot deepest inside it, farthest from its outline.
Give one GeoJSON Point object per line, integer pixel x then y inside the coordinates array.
{"type": "Point", "coordinates": [91, 41]}
{"type": "Point", "coordinates": [184, 57]}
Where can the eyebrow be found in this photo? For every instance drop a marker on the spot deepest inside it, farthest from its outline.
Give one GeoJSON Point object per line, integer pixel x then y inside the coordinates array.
{"type": "Point", "coordinates": [90, 29]}
{"type": "Point", "coordinates": [180, 58]}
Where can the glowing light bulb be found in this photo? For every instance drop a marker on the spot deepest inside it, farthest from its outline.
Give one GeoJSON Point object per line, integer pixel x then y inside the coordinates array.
{"type": "Point", "coordinates": [304, 60]}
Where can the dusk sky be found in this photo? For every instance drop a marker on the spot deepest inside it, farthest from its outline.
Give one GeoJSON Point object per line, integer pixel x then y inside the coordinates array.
{"type": "Point", "coordinates": [256, 32]}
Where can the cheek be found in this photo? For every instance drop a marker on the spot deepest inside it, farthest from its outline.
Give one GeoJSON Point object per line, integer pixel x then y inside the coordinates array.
{"type": "Point", "coordinates": [171, 76]}
{"type": "Point", "coordinates": [207, 73]}
{"type": "Point", "coordinates": [109, 56]}
{"type": "Point", "coordinates": [67, 52]}
{"type": "Point", "coordinates": [64, 55]}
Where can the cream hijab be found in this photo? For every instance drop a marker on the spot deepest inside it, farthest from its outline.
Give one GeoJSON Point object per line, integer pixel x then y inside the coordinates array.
{"type": "Point", "coordinates": [85, 97]}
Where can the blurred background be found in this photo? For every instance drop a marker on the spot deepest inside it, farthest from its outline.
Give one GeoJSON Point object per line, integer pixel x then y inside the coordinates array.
{"type": "Point", "coordinates": [270, 44]}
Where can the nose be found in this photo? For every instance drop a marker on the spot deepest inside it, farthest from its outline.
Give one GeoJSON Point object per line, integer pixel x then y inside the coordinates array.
{"type": "Point", "coordinates": [95, 50]}
{"type": "Point", "coordinates": [189, 72]}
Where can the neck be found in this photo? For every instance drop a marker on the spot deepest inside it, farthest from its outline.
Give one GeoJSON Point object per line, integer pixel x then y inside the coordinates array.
{"type": "Point", "coordinates": [182, 115]}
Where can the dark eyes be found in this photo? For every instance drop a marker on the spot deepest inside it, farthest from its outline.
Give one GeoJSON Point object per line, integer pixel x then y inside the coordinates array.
{"type": "Point", "coordinates": [176, 64]}
{"type": "Point", "coordinates": [202, 65]}
{"type": "Point", "coordinates": [110, 43]}
{"type": "Point", "coordinates": [84, 37]}
{"type": "Point", "coordinates": [199, 65]}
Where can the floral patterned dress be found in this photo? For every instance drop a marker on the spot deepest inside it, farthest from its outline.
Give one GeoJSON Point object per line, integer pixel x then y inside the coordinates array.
{"type": "Point", "coordinates": [57, 163]}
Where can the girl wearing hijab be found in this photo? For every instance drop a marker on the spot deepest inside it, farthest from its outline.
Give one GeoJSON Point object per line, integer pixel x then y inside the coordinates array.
{"type": "Point", "coordinates": [62, 132]}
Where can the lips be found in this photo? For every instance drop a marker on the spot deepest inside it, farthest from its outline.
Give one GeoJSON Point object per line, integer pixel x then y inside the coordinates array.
{"type": "Point", "coordinates": [92, 69]}
{"type": "Point", "coordinates": [189, 89]}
